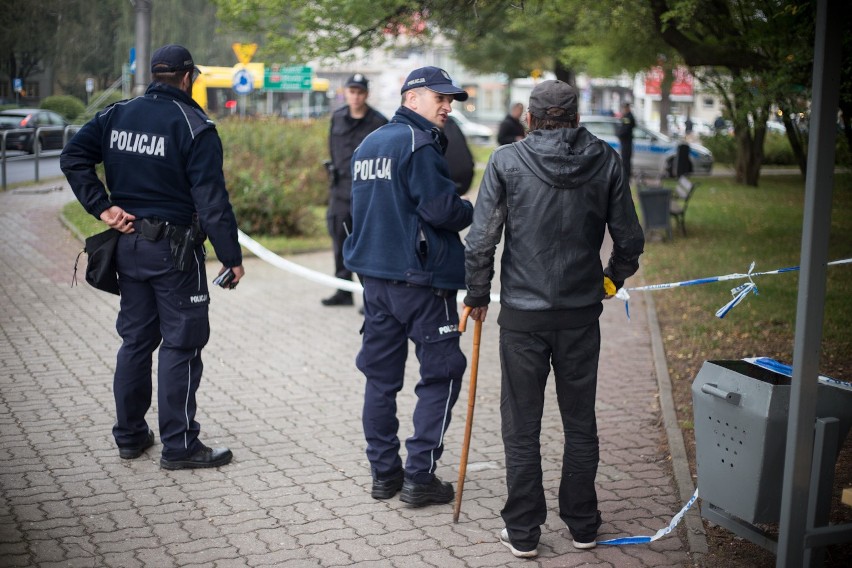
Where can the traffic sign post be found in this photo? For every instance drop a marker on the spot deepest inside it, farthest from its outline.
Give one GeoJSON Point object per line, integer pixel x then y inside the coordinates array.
{"type": "Point", "coordinates": [243, 82]}
{"type": "Point", "coordinates": [288, 79]}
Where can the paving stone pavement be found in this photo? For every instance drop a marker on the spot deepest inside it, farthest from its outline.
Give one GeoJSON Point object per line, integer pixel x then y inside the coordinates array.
{"type": "Point", "coordinates": [280, 388]}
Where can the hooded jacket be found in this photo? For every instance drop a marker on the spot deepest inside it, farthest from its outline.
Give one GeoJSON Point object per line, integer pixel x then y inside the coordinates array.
{"type": "Point", "coordinates": [555, 193]}
{"type": "Point", "coordinates": [406, 214]}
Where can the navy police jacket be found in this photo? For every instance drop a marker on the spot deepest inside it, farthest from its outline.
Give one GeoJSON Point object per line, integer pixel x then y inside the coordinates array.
{"type": "Point", "coordinates": [406, 214]}
{"type": "Point", "coordinates": [162, 158]}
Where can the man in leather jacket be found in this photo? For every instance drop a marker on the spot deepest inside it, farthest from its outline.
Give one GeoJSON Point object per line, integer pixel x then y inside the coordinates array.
{"type": "Point", "coordinates": [554, 194]}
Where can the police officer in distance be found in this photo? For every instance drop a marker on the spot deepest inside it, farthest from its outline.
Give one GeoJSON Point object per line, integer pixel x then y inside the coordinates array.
{"type": "Point", "coordinates": [405, 246]}
{"type": "Point", "coordinates": [162, 158]}
{"type": "Point", "coordinates": [350, 124]}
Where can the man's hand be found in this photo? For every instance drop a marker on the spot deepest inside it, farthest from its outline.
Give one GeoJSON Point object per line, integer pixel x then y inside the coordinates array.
{"type": "Point", "coordinates": [478, 314]}
{"type": "Point", "coordinates": [118, 219]}
{"type": "Point", "coordinates": [238, 271]}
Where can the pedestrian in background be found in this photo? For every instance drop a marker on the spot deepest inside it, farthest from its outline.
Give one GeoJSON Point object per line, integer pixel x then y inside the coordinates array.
{"type": "Point", "coordinates": [459, 157]}
{"type": "Point", "coordinates": [162, 159]}
{"type": "Point", "coordinates": [350, 124]}
{"type": "Point", "coordinates": [625, 139]}
{"type": "Point", "coordinates": [556, 193]}
{"type": "Point", "coordinates": [511, 129]}
{"type": "Point", "coordinates": [405, 246]}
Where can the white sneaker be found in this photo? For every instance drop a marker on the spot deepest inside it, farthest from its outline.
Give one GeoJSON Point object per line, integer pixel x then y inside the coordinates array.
{"type": "Point", "coordinates": [585, 545]}
{"type": "Point", "coordinates": [504, 538]}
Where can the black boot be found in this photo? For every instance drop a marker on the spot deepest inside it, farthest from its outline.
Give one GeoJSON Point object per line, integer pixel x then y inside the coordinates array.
{"type": "Point", "coordinates": [340, 298]}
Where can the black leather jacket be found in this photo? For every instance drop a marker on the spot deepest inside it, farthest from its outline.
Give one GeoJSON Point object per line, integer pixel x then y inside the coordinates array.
{"type": "Point", "coordinates": [555, 193]}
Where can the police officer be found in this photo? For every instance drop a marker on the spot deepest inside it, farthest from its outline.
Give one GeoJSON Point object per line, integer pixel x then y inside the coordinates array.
{"type": "Point", "coordinates": [405, 246]}
{"type": "Point", "coordinates": [350, 124]}
{"type": "Point", "coordinates": [162, 158]}
{"type": "Point", "coordinates": [625, 139]}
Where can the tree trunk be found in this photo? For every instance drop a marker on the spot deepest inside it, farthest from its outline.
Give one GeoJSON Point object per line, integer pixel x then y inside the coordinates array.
{"type": "Point", "coordinates": [795, 139]}
{"type": "Point", "coordinates": [749, 154]}
{"type": "Point", "coordinates": [846, 109]}
{"type": "Point", "coordinates": [565, 74]}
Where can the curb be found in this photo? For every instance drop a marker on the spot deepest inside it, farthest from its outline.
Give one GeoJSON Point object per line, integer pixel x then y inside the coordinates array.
{"type": "Point", "coordinates": [695, 535]}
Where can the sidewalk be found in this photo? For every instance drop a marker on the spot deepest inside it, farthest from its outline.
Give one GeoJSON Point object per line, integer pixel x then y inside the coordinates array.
{"type": "Point", "coordinates": [280, 388]}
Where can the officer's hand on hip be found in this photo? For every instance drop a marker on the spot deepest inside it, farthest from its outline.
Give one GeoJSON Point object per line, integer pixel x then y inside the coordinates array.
{"type": "Point", "coordinates": [119, 219]}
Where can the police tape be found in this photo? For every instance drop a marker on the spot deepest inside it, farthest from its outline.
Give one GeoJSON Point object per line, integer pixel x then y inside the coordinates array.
{"type": "Point", "coordinates": [267, 255]}
{"type": "Point", "coordinates": [659, 534]}
{"type": "Point", "coordinates": [739, 293]}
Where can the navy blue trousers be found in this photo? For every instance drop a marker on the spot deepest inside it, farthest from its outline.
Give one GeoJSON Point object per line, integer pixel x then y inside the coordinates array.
{"type": "Point", "coordinates": [393, 314]}
{"type": "Point", "coordinates": [526, 359]}
{"type": "Point", "coordinates": [160, 306]}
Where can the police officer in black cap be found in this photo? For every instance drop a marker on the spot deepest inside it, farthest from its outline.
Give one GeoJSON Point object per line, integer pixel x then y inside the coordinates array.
{"type": "Point", "coordinates": [350, 124]}
{"type": "Point", "coordinates": [406, 248]}
{"type": "Point", "coordinates": [162, 158]}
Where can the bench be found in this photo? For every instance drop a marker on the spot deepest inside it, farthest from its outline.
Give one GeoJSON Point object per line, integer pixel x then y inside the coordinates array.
{"type": "Point", "coordinates": [680, 200]}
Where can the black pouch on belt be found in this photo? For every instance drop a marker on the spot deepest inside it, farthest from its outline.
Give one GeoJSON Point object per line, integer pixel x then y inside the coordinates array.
{"type": "Point", "coordinates": [152, 229]}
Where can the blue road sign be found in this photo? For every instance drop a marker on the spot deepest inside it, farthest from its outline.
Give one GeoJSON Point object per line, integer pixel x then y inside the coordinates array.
{"type": "Point", "coordinates": [243, 82]}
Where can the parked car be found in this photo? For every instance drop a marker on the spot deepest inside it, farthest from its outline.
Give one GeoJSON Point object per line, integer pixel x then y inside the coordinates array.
{"type": "Point", "coordinates": [473, 131]}
{"type": "Point", "coordinates": [653, 152]}
{"type": "Point", "coordinates": [51, 138]}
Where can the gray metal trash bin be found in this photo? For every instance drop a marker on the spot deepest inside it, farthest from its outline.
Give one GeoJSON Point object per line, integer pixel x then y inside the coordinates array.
{"type": "Point", "coordinates": [741, 411]}
{"type": "Point", "coordinates": [655, 203]}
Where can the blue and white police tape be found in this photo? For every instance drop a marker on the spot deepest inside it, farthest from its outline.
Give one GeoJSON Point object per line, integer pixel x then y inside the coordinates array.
{"type": "Point", "coordinates": [787, 371]}
{"type": "Point", "coordinates": [267, 255]}
{"type": "Point", "coordinates": [739, 293]}
{"type": "Point", "coordinates": [660, 533]}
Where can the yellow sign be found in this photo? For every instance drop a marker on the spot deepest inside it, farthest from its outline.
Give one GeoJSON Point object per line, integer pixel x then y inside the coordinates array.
{"type": "Point", "coordinates": [244, 51]}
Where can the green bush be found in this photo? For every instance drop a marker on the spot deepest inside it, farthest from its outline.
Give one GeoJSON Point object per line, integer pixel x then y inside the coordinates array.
{"type": "Point", "coordinates": [777, 150]}
{"type": "Point", "coordinates": [67, 105]}
{"type": "Point", "coordinates": [723, 146]}
{"type": "Point", "coordinates": [274, 173]}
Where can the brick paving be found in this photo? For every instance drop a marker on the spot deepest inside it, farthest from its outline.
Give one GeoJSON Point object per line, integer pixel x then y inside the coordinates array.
{"type": "Point", "coordinates": [280, 388]}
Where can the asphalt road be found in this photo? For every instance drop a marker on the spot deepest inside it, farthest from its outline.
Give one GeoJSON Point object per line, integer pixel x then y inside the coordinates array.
{"type": "Point", "coordinates": [21, 168]}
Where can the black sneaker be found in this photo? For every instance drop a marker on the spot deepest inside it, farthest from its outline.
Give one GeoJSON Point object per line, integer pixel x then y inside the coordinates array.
{"type": "Point", "coordinates": [340, 298]}
{"type": "Point", "coordinates": [436, 492]}
{"type": "Point", "coordinates": [205, 457]}
{"type": "Point", "coordinates": [133, 452]}
{"type": "Point", "coordinates": [387, 488]}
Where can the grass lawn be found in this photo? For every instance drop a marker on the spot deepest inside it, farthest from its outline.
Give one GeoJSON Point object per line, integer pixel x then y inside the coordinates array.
{"type": "Point", "coordinates": [729, 226]}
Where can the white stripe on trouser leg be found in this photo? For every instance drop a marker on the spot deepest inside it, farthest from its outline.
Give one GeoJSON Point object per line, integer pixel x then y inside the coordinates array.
{"type": "Point", "coordinates": [186, 402]}
{"type": "Point", "coordinates": [443, 426]}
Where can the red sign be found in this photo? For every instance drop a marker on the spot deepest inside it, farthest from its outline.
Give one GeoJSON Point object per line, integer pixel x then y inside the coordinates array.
{"type": "Point", "coordinates": [681, 84]}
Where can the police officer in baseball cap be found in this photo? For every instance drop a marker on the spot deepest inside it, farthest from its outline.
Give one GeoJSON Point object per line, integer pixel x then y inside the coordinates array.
{"type": "Point", "coordinates": [162, 158]}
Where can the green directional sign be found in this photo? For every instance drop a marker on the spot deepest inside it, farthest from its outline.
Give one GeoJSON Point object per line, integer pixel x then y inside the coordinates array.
{"type": "Point", "coordinates": [288, 79]}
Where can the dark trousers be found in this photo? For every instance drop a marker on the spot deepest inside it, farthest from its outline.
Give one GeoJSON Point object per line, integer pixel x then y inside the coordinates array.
{"type": "Point", "coordinates": [393, 314]}
{"type": "Point", "coordinates": [526, 359]}
{"type": "Point", "coordinates": [160, 306]}
{"type": "Point", "coordinates": [627, 158]}
{"type": "Point", "coordinates": [339, 226]}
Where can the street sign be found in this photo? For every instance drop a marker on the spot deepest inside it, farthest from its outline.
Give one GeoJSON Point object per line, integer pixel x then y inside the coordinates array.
{"type": "Point", "coordinates": [18, 84]}
{"type": "Point", "coordinates": [132, 60]}
{"type": "Point", "coordinates": [289, 79]}
{"type": "Point", "coordinates": [243, 82]}
{"type": "Point", "coordinates": [90, 85]}
{"type": "Point", "coordinates": [244, 51]}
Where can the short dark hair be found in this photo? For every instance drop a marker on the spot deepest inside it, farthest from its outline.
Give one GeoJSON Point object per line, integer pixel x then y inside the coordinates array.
{"type": "Point", "coordinates": [550, 124]}
{"type": "Point", "coordinates": [172, 78]}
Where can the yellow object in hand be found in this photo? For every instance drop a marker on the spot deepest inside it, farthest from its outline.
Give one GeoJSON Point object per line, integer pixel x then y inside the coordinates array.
{"type": "Point", "coordinates": [609, 286]}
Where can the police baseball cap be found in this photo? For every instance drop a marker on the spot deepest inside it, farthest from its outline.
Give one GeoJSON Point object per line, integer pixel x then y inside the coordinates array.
{"type": "Point", "coordinates": [359, 81]}
{"type": "Point", "coordinates": [434, 79]}
{"type": "Point", "coordinates": [171, 57]}
{"type": "Point", "coordinates": [554, 94]}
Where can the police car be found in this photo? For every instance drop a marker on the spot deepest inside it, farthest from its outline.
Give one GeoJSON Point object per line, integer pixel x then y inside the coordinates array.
{"type": "Point", "coordinates": [653, 152]}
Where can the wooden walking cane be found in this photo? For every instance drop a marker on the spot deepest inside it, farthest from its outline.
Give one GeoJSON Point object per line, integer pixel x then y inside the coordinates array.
{"type": "Point", "coordinates": [471, 402]}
